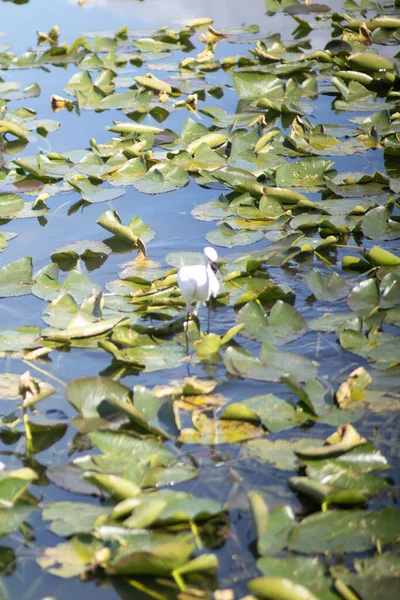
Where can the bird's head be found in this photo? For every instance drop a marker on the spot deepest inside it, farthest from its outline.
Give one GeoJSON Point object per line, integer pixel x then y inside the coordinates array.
{"type": "Point", "coordinates": [211, 257]}
{"type": "Point", "coordinates": [210, 254]}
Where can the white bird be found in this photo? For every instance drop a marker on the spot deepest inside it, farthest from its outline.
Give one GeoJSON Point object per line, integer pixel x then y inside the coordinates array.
{"type": "Point", "coordinates": [198, 283]}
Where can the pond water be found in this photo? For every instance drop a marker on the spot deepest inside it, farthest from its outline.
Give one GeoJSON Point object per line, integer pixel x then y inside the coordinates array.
{"type": "Point", "coordinates": [330, 216]}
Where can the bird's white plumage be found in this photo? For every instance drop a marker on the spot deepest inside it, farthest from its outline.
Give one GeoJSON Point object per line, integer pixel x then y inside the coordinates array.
{"type": "Point", "coordinates": [198, 283]}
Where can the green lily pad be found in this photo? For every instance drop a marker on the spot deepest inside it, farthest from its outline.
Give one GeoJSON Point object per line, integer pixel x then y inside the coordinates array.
{"type": "Point", "coordinates": [6, 236]}
{"type": "Point", "coordinates": [253, 85]}
{"type": "Point", "coordinates": [378, 225]}
{"type": "Point", "coordinates": [238, 179]}
{"type": "Point", "coordinates": [330, 290]}
{"type": "Point", "coordinates": [212, 211]}
{"type": "Point", "coordinates": [89, 397]}
{"type": "Point", "coordinates": [228, 237]}
{"type": "Point", "coordinates": [330, 321]}
{"type": "Point", "coordinates": [72, 517]}
{"type": "Point", "coordinates": [128, 234]}
{"type": "Point", "coordinates": [281, 454]}
{"type": "Point", "coordinates": [149, 356]}
{"type": "Point", "coordinates": [20, 338]}
{"type": "Point", "coordinates": [212, 431]}
{"type": "Point", "coordinates": [93, 193]}
{"type": "Point", "coordinates": [162, 178]}
{"type": "Point", "coordinates": [93, 253]}
{"type": "Point", "coordinates": [161, 560]}
{"type": "Point", "coordinates": [15, 278]}
{"type": "Point", "coordinates": [312, 573]}
{"type": "Point", "coordinates": [273, 534]}
{"type": "Point", "coordinates": [283, 324]}
{"type": "Point", "coordinates": [12, 518]}
{"type": "Point", "coordinates": [346, 478]}
{"type": "Point", "coordinates": [273, 412]}
{"type": "Point", "coordinates": [306, 172]}
{"type": "Point", "coordinates": [340, 531]}
{"type": "Point", "coordinates": [71, 558]}
{"type": "Point", "coordinates": [364, 297]}
{"type": "Point", "coordinates": [76, 286]}
{"type": "Point", "coordinates": [10, 205]}
{"type": "Point", "coordinates": [271, 365]}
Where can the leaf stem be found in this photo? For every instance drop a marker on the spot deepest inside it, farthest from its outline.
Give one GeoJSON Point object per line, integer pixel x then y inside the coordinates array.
{"type": "Point", "coordinates": [146, 590]}
{"type": "Point", "coordinates": [28, 433]}
{"type": "Point", "coordinates": [344, 590]}
{"type": "Point", "coordinates": [179, 581]}
{"type": "Point", "coordinates": [44, 372]}
{"type": "Point", "coordinates": [195, 531]}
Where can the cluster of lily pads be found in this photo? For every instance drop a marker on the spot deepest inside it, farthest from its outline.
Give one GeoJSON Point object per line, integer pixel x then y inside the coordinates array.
{"type": "Point", "coordinates": [273, 164]}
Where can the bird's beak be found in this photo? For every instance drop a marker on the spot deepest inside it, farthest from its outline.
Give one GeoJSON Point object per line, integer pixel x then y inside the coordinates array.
{"type": "Point", "coordinates": [215, 267]}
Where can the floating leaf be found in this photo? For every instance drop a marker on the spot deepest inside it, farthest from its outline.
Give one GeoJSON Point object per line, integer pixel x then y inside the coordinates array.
{"type": "Point", "coordinates": [274, 536]}
{"type": "Point", "coordinates": [15, 278]}
{"type": "Point", "coordinates": [94, 193]}
{"type": "Point", "coordinates": [352, 390]}
{"type": "Point", "coordinates": [340, 531]}
{"type": "Point", "coordinates": [378, 225]}
{"type": "Point", "coordinates": [161, 560]}
{"type": "Point", "coordinates": [10, 205]}
{"type": "Point", "coordinates": [14, 517]}
{"type": "Point", "coordinates": [306, 172]}
{"type": "Point", "coordinates": [330, 290]}
{"type": "Point", "coordinates": [368, 61]}
{"type": "Point", "coordinates": [273, 412]}
{"type": "Point", "coordinates": [70, 558]}
{"type": "Point", "coordinates": [280, 453]}
{"type": "Point", "coordinates": [111, 222]}
{"type": "Point", "coordinates": [271, 365]}
{"type": "Point", "coordinates": [364, 297]}
{"type": "Point", "coordinates": [212, 431]}
{"type": "Point", "coordinates": [283, 324]}
{"type": "Point", "coordinates": [312, 573]}
{"type": "Point", "coordinates": [228, 237]}
{"type": "Point", "coordinates": [161, 179]}
{"type": "Point", "coordinates": [20, 338]}
{"type": "Point", "coordinates": [72, 517]}
{"type": "Point", "coordinates": [253, 85]}
{"type": "Point", "coordinates": [381, 257]}
{"type": "Point", "coordinates": [90, 395]}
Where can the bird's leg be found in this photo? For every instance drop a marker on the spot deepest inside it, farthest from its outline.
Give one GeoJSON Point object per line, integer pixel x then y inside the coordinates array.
{"type": "Point", "coordinates": [209, 318]}
{"type": "Point", "coordinates": [187, 331]}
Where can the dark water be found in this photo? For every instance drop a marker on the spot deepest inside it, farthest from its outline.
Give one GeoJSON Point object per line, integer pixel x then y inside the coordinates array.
{"type": "Point", "coordinates": [169, 216]}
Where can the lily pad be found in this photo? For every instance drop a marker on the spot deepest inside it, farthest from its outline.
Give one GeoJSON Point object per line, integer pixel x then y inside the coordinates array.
{"type": "Point", "coordinates": [20, 338]}
{"type": "Point", "coordinates": [253, 85]}
{"type": "Point", "coordinates": [273, 412]}
{"type": "Point", "coordinates": [228, 237]}
{"type": "Point", "coordinates": [71, 558]}
{"type": "Point", "coordinates": [161, 179]}
{"type": "Point", "coordinates": [281, 453]}
{"type": "Point", "coordinates": [10, 205]}
{"type": "Point", "coordinates": [15, 278]}
{"type": "Point", "coordinates": [283, 324]}
{"type": "Point", "coordinates": [271, 365]}
{"type": "Point", "coordinates": [92, 253]}
{"type": "Point", "coordinates": [312, 573]}
{"type": "Point", "coordinates": [89, 396]}
{"type": "Point", "coordinates": [273, 534]}
{"type": "Point", "coordinates": [330, 290]}
{"type": "Point", "coordinates": [306, 172]}
{"type": "Point", "coordinates": [339, 531]}
{"type": "Point", "coordinates": [72, 517]}
{"type": "Point", "coordinates": [378, 225]}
